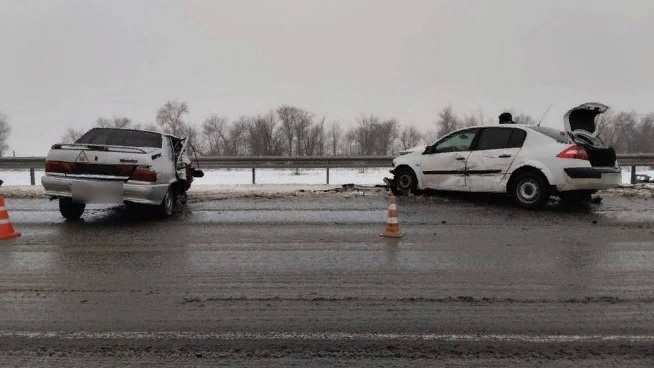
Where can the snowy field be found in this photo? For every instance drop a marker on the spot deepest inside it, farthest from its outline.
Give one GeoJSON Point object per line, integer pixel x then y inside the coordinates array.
{"type": "Point", "coordinates": [371, 176]}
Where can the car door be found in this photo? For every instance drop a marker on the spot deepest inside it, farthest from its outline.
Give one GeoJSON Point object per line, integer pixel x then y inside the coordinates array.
{"type": "Point", "coordinates": [492, 156]}
{"type": "Point", "coordinates": [444, 163]}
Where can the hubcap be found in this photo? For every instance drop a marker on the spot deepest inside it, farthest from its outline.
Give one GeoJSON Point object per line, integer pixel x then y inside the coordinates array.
{"type": "Point", "coordinates": [528, 191]}
{"type": "Point", "coordinates": [405, 181]}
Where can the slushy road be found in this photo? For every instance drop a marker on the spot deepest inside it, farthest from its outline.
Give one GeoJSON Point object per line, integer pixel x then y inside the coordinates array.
{"type": "Point", "coordinates": [306, 281]}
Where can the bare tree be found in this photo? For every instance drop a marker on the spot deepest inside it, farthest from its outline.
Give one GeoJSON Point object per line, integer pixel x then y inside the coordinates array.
{"type": "Point", "coordinates": [410, 137]}
{"type": "Point", "coordinates": [372, 136]}
{"type": "Point", "coordinates": [290, 117]}
{"type": "Point", "coordinates": [387, 134]}
{"type": "Point", "coordinates": [214, 134]}
{"type": "Point", "coordinates": [115, 122]}
{"type": "Point", "coordinates": [314, 144]}
{"type": "Point", "coordinates": [71, 135]}
{"type": "Point", "coordinates": [470, 120]}
{"type": "Point", "coordinates": [5, 131]}
{"type": "Point", "coordinates": [261, 135]}
{"type": "Point", "coordinates": [524, 119]}
{"type": "Point", "coordinates": [334, 137]}
{"type": "Point", "coordinates": [236, 143]}
{"type": "Point", "coordinates": [447, 122]}
{"type": "Point", "coordinates": [170, 117]}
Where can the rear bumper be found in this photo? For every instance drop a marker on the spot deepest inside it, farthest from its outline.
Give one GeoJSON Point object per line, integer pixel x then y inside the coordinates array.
{"type": "Point", "coordinates": [591, 178]}
{"type": "Point", "coordinates": [590, 172]}
{"type": "Point", "coordinates": [152, 194]}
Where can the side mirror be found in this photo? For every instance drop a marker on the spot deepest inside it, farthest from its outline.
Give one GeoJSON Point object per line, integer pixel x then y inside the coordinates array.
{"type": "Point", "coordinates": [428, 150]}
{"type": "Point", "coordinates": [198, 173]}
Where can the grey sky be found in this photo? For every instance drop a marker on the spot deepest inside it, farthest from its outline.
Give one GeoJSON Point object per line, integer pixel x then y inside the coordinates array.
{"type": "Point", "coordinates": [66, 62]}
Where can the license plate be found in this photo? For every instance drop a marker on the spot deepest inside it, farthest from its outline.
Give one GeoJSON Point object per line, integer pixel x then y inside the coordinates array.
{"type": "Point", "coordinates": [97, 191]}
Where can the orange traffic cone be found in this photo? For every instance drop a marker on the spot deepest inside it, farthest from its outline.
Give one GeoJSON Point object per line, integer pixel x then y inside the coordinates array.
{"type": "Point", "coordinates": [6, 230]}
{"type": "Point", "coordinates": [392, 227]}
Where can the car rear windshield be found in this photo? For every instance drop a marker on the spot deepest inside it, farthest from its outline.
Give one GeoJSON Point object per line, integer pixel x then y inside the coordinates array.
{"type": "Point", "coordinates": [121, 137]}
{"type": "Point", "coordinates": [557, 135]}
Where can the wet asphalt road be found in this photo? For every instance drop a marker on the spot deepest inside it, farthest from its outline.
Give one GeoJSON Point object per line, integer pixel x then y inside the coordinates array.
{"type": "Point", "coordinates": [306, 280]}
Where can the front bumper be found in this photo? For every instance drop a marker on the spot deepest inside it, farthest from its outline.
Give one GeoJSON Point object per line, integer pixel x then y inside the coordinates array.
{"type": "Point", "coordinates": [152, 194]}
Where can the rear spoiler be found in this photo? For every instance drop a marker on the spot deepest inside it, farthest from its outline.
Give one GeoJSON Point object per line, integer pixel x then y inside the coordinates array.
{"type": "Point", "coordinates": [97, 147]}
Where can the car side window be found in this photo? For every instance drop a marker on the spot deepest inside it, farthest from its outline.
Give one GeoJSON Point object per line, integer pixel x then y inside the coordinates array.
{"type": "Point", "coordinates": [461, 141]}
{"type": "Point", "coordinates": [499, 138]}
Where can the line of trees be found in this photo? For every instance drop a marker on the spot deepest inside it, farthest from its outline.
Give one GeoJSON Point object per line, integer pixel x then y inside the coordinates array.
{"type": "Point", "coordinates": [5, 131]}
{"type": "Point", "coordinates": [293, 131]}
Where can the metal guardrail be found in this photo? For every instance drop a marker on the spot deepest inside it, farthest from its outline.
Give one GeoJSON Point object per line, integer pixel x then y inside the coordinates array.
{"type": "Point", "coordinates": [280, 162]}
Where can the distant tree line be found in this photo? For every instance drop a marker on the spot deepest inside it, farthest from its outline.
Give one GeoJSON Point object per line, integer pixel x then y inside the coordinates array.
{"type": "Point", "coordinates": [628, 132]}
{"type": "Point", "coordinates": [293, 131]}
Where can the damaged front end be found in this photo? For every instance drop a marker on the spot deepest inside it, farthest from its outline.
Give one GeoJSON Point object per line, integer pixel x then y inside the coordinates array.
{"type": "Point", "coordinates": [391, 183]}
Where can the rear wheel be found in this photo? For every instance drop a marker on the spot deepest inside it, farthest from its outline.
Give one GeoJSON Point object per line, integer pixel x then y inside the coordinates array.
{"type": "Point", "coordinates": [71, 210]}
{"type": "Point", "coordinates": [405, 181]}
{"type": "Point", "coordinates": [530, 190]}
{"type": "Point", "coordinates": [167, 206]}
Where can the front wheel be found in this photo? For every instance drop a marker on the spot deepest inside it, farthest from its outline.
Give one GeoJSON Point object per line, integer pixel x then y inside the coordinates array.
{"type": "Point", "coordinates": [405, 181]}
{"type": "Point", "coordinates": [530, 191]}
{"type": "Point", "coordinates": [71, 210]}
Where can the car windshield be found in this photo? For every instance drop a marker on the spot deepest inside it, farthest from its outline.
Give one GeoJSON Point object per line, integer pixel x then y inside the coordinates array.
{"type": "Point", "coordinates": [121, 137]}
{"type": "Point", "coordinates": [557, 135]}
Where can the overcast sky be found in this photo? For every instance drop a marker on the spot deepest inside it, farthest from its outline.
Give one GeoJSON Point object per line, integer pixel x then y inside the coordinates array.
{"type": "Point", "coordinates": [64, 62]}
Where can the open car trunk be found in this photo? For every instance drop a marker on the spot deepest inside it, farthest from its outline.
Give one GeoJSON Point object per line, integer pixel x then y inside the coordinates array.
{"type": "Point", "coordinates": [581, 124]}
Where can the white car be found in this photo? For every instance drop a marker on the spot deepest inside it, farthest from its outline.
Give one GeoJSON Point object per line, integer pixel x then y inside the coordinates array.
{"type": "Point", "coordinates": [528, 162]}
{"type": "Point", "coordinates": [119, 165]}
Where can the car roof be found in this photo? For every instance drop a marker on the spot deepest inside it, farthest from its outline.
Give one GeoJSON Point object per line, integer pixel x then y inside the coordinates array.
{"type": "Point", "coordinates": [140, 130]}
{"type": "Point", "coordinates": [524, 126]}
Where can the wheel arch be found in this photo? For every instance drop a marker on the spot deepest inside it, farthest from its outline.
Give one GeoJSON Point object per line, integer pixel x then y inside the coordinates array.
{"type": "Point", "coordinates": [524, 169]}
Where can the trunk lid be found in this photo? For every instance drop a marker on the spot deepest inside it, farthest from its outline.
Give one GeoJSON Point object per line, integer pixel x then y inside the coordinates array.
{"type": "Point", "coordinates": [101, 161]}
{"type": "Point", "coordinates": [581, 123]}
{"type": "Point", "coordinates": [582, 119]}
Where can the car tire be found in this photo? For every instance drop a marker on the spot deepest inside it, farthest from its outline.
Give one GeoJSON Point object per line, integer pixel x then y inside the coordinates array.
{"type": "Point", "coordinates": [71, 210]}
{"type": "Point", "coordinates": [405, 181]}
{"type": "Point", "coordinates": [530, 190]}
{"type": "Point", "coordinates": [167, 206]}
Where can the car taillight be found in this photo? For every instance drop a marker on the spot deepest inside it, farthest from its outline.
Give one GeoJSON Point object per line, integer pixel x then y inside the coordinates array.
{"type": "Point", "coordinates": [144, 173]}
{"type": "Point", "coordinates": [575, 152]}
{"type": "Point", "coordinates": [58, 167]}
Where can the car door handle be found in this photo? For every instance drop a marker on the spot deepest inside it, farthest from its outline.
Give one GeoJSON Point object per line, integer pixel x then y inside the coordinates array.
{"type": "Point", "coordinates": [504, 156]}
{"type": "Point", "coordinates": [460, 158]}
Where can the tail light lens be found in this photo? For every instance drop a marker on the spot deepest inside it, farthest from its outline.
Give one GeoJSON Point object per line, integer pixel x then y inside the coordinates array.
{"type": "Point", "coordinates": [144, 173]}
{"type": "Point", "coordinates": [58, 167]}
{"type": "Point", "coordinates": [575, 152]}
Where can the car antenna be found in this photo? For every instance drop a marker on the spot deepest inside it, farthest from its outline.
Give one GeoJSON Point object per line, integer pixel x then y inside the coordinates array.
{"type": "Point", "coordinates": [544, 114]}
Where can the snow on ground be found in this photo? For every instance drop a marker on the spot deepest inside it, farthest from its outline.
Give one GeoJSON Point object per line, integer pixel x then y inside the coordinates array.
{"type": "Point", "coordinates": [231, 183]}
{"type": "Point", "coordinates": [372, 176]}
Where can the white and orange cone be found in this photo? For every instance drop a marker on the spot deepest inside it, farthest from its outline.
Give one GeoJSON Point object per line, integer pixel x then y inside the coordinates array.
{"type": "Point", "coordinates": [6, 229]}
{"type": "Point", "coordinates": [392, 226]}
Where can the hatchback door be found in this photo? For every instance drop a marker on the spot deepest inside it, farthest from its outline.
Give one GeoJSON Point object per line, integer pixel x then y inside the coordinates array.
{"type": "Point", "coordinates": [444, 163]}
{"type": "Point", "coordinates": [492, 156]}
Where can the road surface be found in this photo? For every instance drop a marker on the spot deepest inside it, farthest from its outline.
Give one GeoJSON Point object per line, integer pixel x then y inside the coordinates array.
{"type": "Point", "coordinates": [306, 281]}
